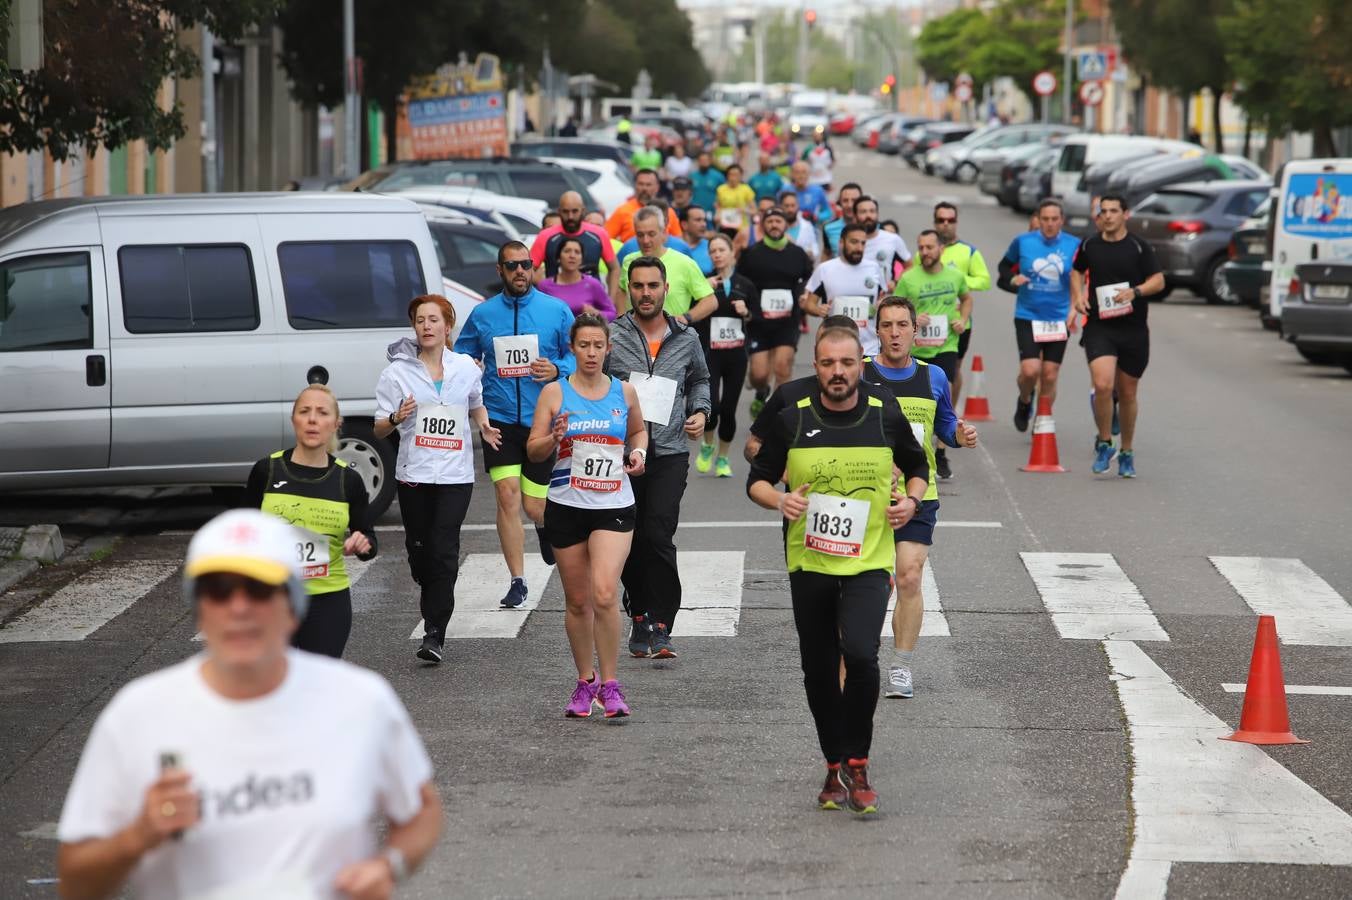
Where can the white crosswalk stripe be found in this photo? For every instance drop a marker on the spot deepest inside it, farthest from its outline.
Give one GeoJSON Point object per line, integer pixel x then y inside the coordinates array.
{"type": "Point", "coordinates": [934, 624]}
{"type": "Point", "coordinates": [1091, 598]}
{"type": "Point", "coordinates": [478, 594]}
{"type": "Point", "coordinates": [1307, 609]}
{"type": "Point", "coordinates": [711, 592]}
{"type": "Point", "coordinates": [88, 603]}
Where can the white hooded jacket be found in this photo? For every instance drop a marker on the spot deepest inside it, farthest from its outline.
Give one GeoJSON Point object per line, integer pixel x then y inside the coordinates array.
{"type": "Point", "coordinates": [435, 452]}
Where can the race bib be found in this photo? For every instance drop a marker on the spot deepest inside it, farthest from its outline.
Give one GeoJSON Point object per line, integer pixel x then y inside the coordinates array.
{"type": "Point", "coordinates": [776, 303]}
{"type": "Point", "coordinates": [918, 429]}
{"type": "Point", "coordinates": [1108, 307]}
{"type": "Point", "coordinates": [1050, 332]}
{"type": "Point", "coordinates": [596, 467]}
{"type": "Point", "coordinates": [440, 427]}
{"type": "Point", "coordinates": [933, 333]}
{"type": "Point", "coordinates": [312, 552]}
{"type": "Point", "coordinates": [656, 396]}
{"type": "Point", "coordinates": [856, 308]}
{"type": "Point", "coordinates": [725, 333]}
{"type": "Point", "coordinates": [730, 218]}
{"type": "Point", "coordinates": [836, 525]}
{"type": "Point", "coordinates": [514, 354]}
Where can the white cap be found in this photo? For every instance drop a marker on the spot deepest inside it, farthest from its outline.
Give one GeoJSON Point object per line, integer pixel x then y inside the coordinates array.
{"type": "Point", "coordinates": [252, 543]}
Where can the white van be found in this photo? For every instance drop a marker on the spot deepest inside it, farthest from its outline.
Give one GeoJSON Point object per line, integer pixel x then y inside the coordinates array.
{"type": "Point", "coordinates": [1311, 221]}
{"type": "Point", "coordinates": [1080, 151]}
{"type": "Point", "coordinates": [162, 340]}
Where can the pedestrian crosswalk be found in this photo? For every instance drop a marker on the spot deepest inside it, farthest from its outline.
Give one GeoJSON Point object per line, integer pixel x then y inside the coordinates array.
{"type": "Point", "coordinates": [1086, 596]}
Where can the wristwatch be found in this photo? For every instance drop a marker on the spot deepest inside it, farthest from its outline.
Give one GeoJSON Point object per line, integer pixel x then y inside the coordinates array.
{"type": "Point", "coordinates": [393, 423]}
{"type": "Point", "coordinates": [915, 501]}
{"type": "Point", "coordinates": [1136, 293]}
{"type": "Point", "coordinates": [398, 865]}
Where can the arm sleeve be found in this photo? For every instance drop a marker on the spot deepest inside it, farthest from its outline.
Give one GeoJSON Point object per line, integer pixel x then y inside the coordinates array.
{"type": "Point", "coordinates": [601, 300]}
{"type": "Point", "coordinates": [389, 395]}
{"type": "Point", "coordinates": [814, 282]}
{"type": "Point", "coordinates": [769, 414]}
{"type": "Point", "coordinates": [607, 248]}
{"type": "Point", "coordinates": [978, 276]}
{"type": "Point", "coordinates": [945, 419]}
{"type": "Point", "coordinates": [697, 383]}
{"type": "Point", "coordinates": [467, 343]}
{"type": "Point", "coordinates": [907, 453]}
{"type": "Point", "coordinates": [1080, 262]}
{"type": "Point", "coordinates": [104, 796]}
{"type": "Point", "coordinates": [1007, 271]}
{"type": "Point", "coordinates": [773, 457]}
{"type": "Point", "coordinates": [904, 254]}
{"type": "Point", "coordinates": [359, 511]}
{"type": "Point", "coordinates": [566, 362]}
{"type": "Point", "coordinates": [615, 224]}
{"type": "Point", "coordinates": [673, 224]}
{"type": "Point", "coordinates": [537, 249]}
{"type": "Point", "coordinates": [1150, 265]}
{"type": "Point", "coordinates": [254, 487]}
{"type": "Point", "coordinates": [404, 764]}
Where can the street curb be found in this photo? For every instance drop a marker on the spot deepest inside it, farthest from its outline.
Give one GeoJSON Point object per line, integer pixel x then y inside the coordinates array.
{"type": "Point", "coordinates": [14, 571]}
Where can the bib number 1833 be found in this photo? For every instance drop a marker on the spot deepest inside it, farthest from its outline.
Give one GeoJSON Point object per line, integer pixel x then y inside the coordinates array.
{"type": "Point", "coordinates": [836, 525]}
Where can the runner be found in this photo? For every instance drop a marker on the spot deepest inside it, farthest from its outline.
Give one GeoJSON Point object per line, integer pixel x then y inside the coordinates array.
{"type": "Point", "coordinates": [661, 357]}
{"type": "Point", "coordinates": [1112, 274]}
{"type": "Point", "coordinates": [620, 225]}
{"type": "Point", "coordinates": [883, 247]}
{"type": "Point", "coordinates": [682, 194]}
{"type": "Point", "coordinates": [766, 182]}
{"type": "Point", "coordinates": [849, 193]}
{"type": "Point", "coordinates": [317, 492]}
{"type": "Point", "coordinates": [968, 260]}
{"type": "Point", "coordinates": [521, 337]}
{"type": "Point", "coordinates": [812, 200]}
{"type": "Point", "coordinates": [923, 393]}
{"type": "Point", "coordinates": [677, 165]}
{"type": "Point", "coordinates": [648, 156]}
{"type": "Point", "coordinates": [582, 292]}
{"type": "Point", "coordinates": [723, 336]}
{"type": "Point", "coordinates": [594, 423]}
{"type": "Point", "coordinates": [839, 549]}
{"type": "Point", "coordinates": [944, 305]}
{"type": "Point", "coordinates": [848, 285]}
{"type": "Point", "coordinates": [597, 250]}
{"type": "Point", "coordinates": [800, 230]}
{"type": "Point", "coordinates": [429, 394]}
{"type": "Point", "coordinates": [249, 769]}
{"type": "Point", "coordinates": [735, 202]}
{"type": "Point", "coordinates": [1042, 314]}
{"type": "Point", "coordinates": [694, 225]}
{"type": "Point", "coordinates": [821, 160]}
{"type": "Point", "coordinates": [705, 181]}
{"type": "Point", "coordinates": [778, 268]}
{"type": "Point", "coordinates": [689, 296]}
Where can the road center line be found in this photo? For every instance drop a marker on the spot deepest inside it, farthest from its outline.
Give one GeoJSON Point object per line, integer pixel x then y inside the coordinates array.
{"type": "Point", "coordinates": [1313, 689]}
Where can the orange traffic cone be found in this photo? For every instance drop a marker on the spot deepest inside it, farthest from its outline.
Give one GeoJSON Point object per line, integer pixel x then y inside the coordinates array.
{"type": "Point", "coordinates": [977, 408]}
{"type": "Point", "coordinates": [1044, 457]}
{"type": "Point", "coordinates": [1264, 719]}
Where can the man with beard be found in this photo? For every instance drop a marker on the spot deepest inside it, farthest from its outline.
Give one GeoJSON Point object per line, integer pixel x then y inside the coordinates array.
{"type": "Point", "coordinates": [848, 286]}
{"type": "Point", "coordinates": [839, 448]}
{"type": "Point", "coordinates": [778, 268]}
{"type": "Point", "coordinates": [849, 193]}
{"type": "Point", "coordinates": [596, 246]}
{"type": "Point", "coordinates": [968, 260]}
{"type": "Point", "coordinates": [662, 358]}
{"type": "Point", "coordinates": [688, 294]}
{"type": "Point", "coordinates": [620, 225]}
{"type": "Point", "coordinates": [883, 247]}
{"type": "Point", "coordinates": [800, 230]}
{"type": "Point", "coordinates": [694, 224]}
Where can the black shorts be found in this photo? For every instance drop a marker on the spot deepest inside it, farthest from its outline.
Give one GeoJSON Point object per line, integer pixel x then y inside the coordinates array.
{"type": "Point", "coordinates": [945, 362]}
{"type": "Point", "coordinates": [762, 335]}
{"type": "Point", "coordinates": [1050, 351]}
{"type": "Point", "coordinates": [964, 341]}
{"type": "Point", "coordinates": [567, 526]}
{"type": "Point", "coordinates": [920, 530]}
{"type": "Point", "coordinates": [1129, 344]}
{"type": "Point", "coordinates": [510, 461]}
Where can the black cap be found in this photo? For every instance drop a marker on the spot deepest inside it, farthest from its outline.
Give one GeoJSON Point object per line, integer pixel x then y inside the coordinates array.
{"type": "Point", "coordinates": [774, 211]}
{"type": "Point", "coordinates": [682, 182]}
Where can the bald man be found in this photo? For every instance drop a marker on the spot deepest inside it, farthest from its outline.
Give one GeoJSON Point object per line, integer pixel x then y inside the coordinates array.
{"type": "Point", "coordinates": [813, 204]}
{"type": "Point", "coordinates": [596, 246]}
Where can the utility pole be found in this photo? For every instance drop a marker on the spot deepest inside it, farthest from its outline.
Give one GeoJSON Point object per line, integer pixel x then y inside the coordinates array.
{"type": "Point", "coordinates": [1065, 63]}
{"type": "Point", "coordinates": [802, 48]}
{"type": "Point", "coordinates": [351, 101]}
{"type": "Point", "coordinates": [209, 184]}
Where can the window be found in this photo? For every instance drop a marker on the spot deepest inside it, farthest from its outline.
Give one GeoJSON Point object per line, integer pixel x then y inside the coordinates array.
{"type": "Point", "coordinates": [473, 250]}
{"type": "Point", "coordinates": [523, 225]}
{"type": "Point", "coordinates": [349, 284]}
{"type": "Point", "coordinates": [1174, 203]}
{"type": "Point", "coordinates": [587, 175]}
{"type": "Point", "coordinates": [45, 303]}
{"type": "Point", "coordinates": [1072, 157]}
{"type": "Point", "coordinates": [540, 184]}
{"type": "Point", "coordinates": [175, 288]}
{"type": "Point", "coordinates": [1245, 203]}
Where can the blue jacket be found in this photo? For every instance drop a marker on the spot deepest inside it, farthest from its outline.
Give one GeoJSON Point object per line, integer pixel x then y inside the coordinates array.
{"type": "Point", "coordinates": [512, 400]}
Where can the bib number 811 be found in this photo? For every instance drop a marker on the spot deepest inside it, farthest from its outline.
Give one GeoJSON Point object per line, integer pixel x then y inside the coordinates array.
{"type": "Point", "coordinates": [835, 526]}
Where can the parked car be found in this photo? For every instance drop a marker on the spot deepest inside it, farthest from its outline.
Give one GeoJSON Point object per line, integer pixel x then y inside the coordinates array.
{"type": "Point", "coordinates": [1190, 225]}
{"type": "Point", "coordinates": [935, 135]}
{"type": "Point", "coordinates": [1243, 269]}
{"type": "Point", "coordinates": [1000, 171]}
{"type": "Point", "coordinates": [572, 148]}
{"type": "Point", "coordinates": [865, 132]}
{"type": "Point", "coordinates": [1144, 181]}
{"type": "Point", "coordinates": [610, 183]}
{"type": "Point", "coordinates": [961, 161]}
{"type": "Point", "coordinates": [519, 217]}
{"type": "Point", "coordinates": [512, 176]}
{"type": "Point", "coordinates": [162, 339]}
{"type": "Point", "coordinates": [1094, 182]}
{"type": "Point", "coordinates": [468, 253]}
{"type": "Point", "coordinates": [1317, 314]}
{"type": "Point", "coordinates": [1035, 184]}
{"type": "Point", "coordinates": [463, 300]}
{"type": "Point", "coordinates": [1080, 151]}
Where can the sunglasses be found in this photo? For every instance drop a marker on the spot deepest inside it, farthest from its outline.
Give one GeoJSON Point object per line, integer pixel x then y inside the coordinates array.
{"type": "Point", "coordinates": [512, 265]}
{"type": "Point", "coordinates": [939, 221]}
{"type": "Point", "coordinates": [219, 587]}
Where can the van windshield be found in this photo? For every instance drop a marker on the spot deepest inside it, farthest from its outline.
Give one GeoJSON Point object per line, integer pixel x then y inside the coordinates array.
{"type": "Point", "coordinates": [1072, 158]}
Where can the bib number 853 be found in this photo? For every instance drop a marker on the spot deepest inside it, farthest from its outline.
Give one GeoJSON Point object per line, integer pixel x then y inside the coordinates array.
{"type": "Point", "coordinates": [835, 526]}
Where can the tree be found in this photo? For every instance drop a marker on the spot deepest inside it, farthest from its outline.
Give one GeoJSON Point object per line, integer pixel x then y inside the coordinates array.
{"type": "Point", "coordinates": [828, 66]}
{"type": "Point", "coordinates": [940, 48]}
{"type": "Point", "coordinates": [103, 66]}
{"type": "Point", "coordinates": [1177, 45]}
{"type": "Point", "coordinates": [1290, 61]}
{"type": "Point", "coordinates": [667, 42]}
{"type": "Point", "coordinates": [1016, 39]}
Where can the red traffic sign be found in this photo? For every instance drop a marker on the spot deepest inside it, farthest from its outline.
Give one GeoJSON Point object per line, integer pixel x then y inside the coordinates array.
{"type": "Point", "coordinates": [1091, 93]}
{"type": "Point", "coordinates": [963, 78]}
{"type": "Point", "coordinates": [962, 92]}
{"type": "Point", "coordinates": [1044, 83]}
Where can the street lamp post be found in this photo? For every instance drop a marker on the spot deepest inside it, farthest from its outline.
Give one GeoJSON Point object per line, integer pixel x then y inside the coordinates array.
{"type": "Point", "coordinates": [1065, 63]}
{"type": "Point", "coordinates": [351, 102]}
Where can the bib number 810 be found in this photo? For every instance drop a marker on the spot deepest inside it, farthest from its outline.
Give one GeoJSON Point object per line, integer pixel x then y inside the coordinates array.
{"type": "Point", "coordinates": [835, 526]}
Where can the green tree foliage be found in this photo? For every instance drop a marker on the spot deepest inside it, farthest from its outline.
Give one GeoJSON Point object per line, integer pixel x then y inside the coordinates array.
{"type": "Point", "coordinates": [104, 64]}
{"type": "Point", "coordinates": [828, 66]}
{"type": "Point", "coordinates": [1291, 63]}
{"type": "Point", "coordinates": [941, 48]}
{"type": "Point", "coordinates": [1015, 39]}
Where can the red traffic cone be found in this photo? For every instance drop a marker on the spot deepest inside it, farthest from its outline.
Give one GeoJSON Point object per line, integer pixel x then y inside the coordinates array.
{"type": "Point", "coordinates": [1044, 457]}
{"type": "Point", "coordinates": [977, 408]}
{"type": "Point", "coordinates": [1264, 719]}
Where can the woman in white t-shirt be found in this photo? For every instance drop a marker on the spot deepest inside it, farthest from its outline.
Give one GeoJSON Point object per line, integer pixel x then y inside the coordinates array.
{"type": "Point", "coordinates": [678, 165]}
{"type": "Point", "coordinates": [251, 769]}
{"type": "Point", "coordinates": [430, 394]}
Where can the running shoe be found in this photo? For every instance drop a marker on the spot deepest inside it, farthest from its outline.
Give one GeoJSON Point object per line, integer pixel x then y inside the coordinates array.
{"type": "Point", "coordinates": [942, 471]}
{"type": "Point", "coordinates": [611, 697]}
{"type": "Point", "coordinates": [899, 685]}
{"type": "Point", "coordinates": [1023, 412]}
{"type": "Point", "coordinates": [584, 697]}
{"type": "Point", "coordinates": [641, 638]}
{"type": "Point", "coordinates": [860, 795]}
{"type": "Point", "coordinates": [757, 404]}
{"type": "Point", "coordinates": [662, 648]}
{"type": "Point", "coordinates": [546, 550]}
{"type": "Point", "coordinates": [430, 651]}
{"type": "Point", "coordinates": [832, 794]}
{"type": "Point", "coordinates": [516, 594]}
{"type": "Point", "coordinates": [1126, 464]}
{"type": "Point", "coordinates": [722, 468]}
{"type": "Point", "coordinates": [1103, 454]}
{"type": "Point", "coordinates": [705, 458]}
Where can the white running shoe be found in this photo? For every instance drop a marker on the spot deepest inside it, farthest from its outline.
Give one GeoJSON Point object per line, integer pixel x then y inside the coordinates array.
{"type": "Point", "coordinates": [899, 686]}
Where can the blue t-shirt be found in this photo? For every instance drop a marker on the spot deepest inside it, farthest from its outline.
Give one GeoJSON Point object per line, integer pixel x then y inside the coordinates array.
{"type": "Point", "coordinates": [812, 200]}
{"type": "Point", "coordinates": [1046, 265]}
{"type": "Point", "coordinates": [766, 184]}
{"type": "Point", "coordinates": [704, 188]}
{"type": "Point", "coordinates": [945, 419]}
{"type": "Point", "coordinates": [700, 254]}
{"type": "Point", "coordinates": [673, 242]}
{"type": "Point", "coordinates": [831, 233]}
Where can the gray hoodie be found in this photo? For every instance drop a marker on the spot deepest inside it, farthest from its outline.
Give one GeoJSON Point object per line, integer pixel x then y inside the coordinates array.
{"type": "Point", "coordinates": [680, 358]}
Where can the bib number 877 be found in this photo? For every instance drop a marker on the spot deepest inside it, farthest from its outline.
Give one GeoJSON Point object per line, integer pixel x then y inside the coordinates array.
{"type": "Point", "coordinates": [835, 526]}
{"type": "Point", "coordinates": [517, 356]}
{"type": "Point", "coordinates": [598, 467]}
{"type": "Point", "coordinates": [432, 425]}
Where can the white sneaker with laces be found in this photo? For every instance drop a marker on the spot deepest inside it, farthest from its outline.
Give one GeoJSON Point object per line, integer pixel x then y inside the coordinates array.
{"type": "Point", "coordinates": [899, 686]}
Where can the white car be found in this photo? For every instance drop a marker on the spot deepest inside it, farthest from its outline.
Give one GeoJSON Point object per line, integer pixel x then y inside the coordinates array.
{"type": "Point", "coordinates": [520, 217]}
{"type": "Point", "coordinates": [610, 183]}
{"type": "Point", "coordinates": [463, 300]}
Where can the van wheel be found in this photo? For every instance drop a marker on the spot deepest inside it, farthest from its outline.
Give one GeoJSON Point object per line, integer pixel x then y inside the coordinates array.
{"type": "Point", "coordinates": [1215, 285]}
{"type": "Point", "coordinates": [373, 459]}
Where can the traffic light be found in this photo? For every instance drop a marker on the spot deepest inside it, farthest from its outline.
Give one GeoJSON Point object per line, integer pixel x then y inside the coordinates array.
{"type": "Point", "coordinates": [811, 17]}
{"type": "Point", "coordinates": [889, 85]}
{"type": "Point", "coordinates": [886, 88]}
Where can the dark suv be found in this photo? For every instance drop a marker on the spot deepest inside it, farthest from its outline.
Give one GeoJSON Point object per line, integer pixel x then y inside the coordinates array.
{"type": "Point", "coordinates": [511, 176]}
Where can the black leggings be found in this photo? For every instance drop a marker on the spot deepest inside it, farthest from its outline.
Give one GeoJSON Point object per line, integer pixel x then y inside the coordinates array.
{"type": "Point", "coordinates": [841, 616]}
{"type": "Point", "coordinates": [433, 514]}
{"type": "Point", "coordinates": [727, 371]}
{"type": "Point", "coordinates": [327, 623]}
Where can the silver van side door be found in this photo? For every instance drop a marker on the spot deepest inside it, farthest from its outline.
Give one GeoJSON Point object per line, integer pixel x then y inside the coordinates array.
{"type": "Point", "coordinates": [54, 374]}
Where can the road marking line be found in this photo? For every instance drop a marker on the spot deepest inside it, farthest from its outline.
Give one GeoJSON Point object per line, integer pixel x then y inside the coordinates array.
{"type": "Point", "coordinates": [934, 624]}
{"type": "Point", "coordinates": [1199, 799]}
{"type": "Point", "coordinates": [711, 592]}
{"type": "Point", "coordinates": [1090, 597]}
{"type": "Point", "coordinates": [88, 603]}
{"type": "Point", "coordinates": [1314, 689]}
{"type": "Point", "coordinates": [1307, 609]}
{"type": "Point", "coordinates": [1144, 879]}
{"type": "Point", "coordinates": [479, 588]}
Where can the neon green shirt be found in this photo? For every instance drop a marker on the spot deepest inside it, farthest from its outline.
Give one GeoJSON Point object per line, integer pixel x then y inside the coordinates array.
{"type": "Point", "coordinates": [686, 284]}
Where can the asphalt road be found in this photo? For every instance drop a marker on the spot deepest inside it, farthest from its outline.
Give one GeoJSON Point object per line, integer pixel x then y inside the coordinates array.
{"type": "Point", "coordinates": [1062, 741]}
